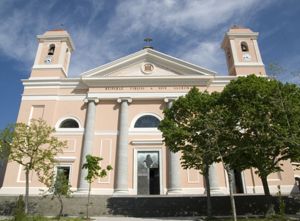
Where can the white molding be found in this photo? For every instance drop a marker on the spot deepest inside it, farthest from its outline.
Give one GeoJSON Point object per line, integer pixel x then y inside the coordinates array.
{"type": "Point", "coordinates": [15, 191]}
{"type": "Point", "coordinates": [136, 117]}
{"type": "Point", "coordinates": [189, 178]}
{"type": "Point", "coordinates": [145, 132]}
{"type": "Point", "coordinates": [148, 55]}
{"type": "Point", "coordinates": [53, 98]}
{"type": "Point", "coordinates": [110, 160]}
{"type": "Point", "coordinates": [161, 163]}
{"type": "Point", "coordinates": [148, 81]}
{"type": "Point", "coordinates": [147, 142]}
{"type": "Point", "coordinates": [20, 173]}
{"type": "Point", "coordinates": [58, 38]}
{"type": "Point", "coordinates": [49, 66]}
{"type": "Point", "coordinates": [69, 132]}
{"type": "Point", "coordinates": [60, 120]}
{"type": "Point", "coordinates": [64, 165]}
{"type": "Point", "coordinates": [285, 189]}
{"type": "Point", "coordinates": [249, 64]}
{"type": "Point", "coordinates": [106, 133]}
{"type": "Point", "coordinates": [137, 95]}
{"type": "Point", "coordinates": [38, 54]}
{"type": "Point", "coordinates": [65, 159]}
{"type": "Point", "coordinates": [242, 35]}
{"type": "Point", "coordinates": [192, 191]}
{"type": "Point", "coordinates": [257, 52]}
{"type": "Point", "coordinates": [233, 50]}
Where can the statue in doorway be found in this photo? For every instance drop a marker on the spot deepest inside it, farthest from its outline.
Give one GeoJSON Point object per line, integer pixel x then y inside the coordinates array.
{"type": "Point", "coordinates": [148, 161]}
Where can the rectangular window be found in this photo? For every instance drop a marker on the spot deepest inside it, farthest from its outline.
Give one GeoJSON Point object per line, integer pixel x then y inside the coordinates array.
{"type": "Point", "coordinates": [65, 170]}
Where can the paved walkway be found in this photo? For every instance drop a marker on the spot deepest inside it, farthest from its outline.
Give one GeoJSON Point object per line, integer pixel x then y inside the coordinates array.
{"type": "Point", "coordinates": [142, 219]}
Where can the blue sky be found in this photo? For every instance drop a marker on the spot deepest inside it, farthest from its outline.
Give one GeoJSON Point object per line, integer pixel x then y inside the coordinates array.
{"type": "Point", "coordinates": [103, 30]}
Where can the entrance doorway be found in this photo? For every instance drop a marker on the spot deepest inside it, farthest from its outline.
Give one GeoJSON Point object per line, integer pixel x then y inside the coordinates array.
{"type": "Point", "coordinates": [238, 186]}
{"type": "Point", "coordinates": [148, 173]}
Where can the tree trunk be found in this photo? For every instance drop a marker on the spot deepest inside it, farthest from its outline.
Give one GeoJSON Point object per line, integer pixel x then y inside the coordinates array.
{"type": "Point", "coordinates": [208, 196]}
{"type": "Point", "coordinates": [266, 186]}
{"type": "Point", "coordinates": [26, 190]}
{"type": "Point", "coordinates": [88, 202]}
{"type": "Point", "coordinates": [61, 207]}
{"type": "Point", "coordinates": [232, 201]}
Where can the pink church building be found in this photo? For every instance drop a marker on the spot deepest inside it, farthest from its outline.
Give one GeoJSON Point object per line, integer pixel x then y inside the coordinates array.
{"type": "Point", "coordinates": [113, 111]}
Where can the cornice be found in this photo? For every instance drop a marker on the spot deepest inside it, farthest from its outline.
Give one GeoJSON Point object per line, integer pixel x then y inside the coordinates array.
{"type": "Point", "coordinates": [54, 82]}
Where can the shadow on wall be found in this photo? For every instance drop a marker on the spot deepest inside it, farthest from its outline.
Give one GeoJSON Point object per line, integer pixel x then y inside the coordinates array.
{"type": "Point", "coordinates": [3, 164]}
{"type": "Point", "coordinates": [168, 206]}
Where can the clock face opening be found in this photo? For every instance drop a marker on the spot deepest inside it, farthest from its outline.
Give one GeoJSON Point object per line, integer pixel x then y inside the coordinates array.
{"type": "Point", "coordinates": [246, 57]}
{"type": "Point", "coordinates": [48, 59]}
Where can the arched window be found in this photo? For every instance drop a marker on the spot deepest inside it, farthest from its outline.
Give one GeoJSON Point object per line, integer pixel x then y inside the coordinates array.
{"type": "Point", "coordinates": [51, 49]}
{"type": "Point", "coordinates": [69, 123]}
{"type": "Point", "coordinates": [244, 46]}
{"type": "Point", "coordinates": [147, 121]}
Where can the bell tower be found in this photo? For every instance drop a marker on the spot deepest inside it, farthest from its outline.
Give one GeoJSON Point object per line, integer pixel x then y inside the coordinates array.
{"type": "Point", "coordinates": [53, 55]}
{"type": "Point", "coordinates": [242, 52]}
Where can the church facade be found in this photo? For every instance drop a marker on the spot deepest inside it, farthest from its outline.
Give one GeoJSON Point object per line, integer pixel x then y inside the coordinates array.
{"type": "Point", "coordinates": [113, 111]}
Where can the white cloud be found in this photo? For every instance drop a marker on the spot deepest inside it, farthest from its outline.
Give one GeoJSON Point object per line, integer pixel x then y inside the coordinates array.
{"type": "Point", "coordinates": [193, 28]}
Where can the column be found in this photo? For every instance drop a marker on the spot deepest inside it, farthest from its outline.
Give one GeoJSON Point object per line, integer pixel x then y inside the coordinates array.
{"type": "Point", "coordinates": [173, 164]}
{"type": "Point", "coordinates": [213, 180]}
{"type": "Point", "coordinates": [88, 140]}
{"type": "Point", "coordinates": [121, 183]}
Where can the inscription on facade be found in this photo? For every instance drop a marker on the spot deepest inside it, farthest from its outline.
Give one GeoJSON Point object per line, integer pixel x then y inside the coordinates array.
{"type": "Point", "coordinates": [145, 88]}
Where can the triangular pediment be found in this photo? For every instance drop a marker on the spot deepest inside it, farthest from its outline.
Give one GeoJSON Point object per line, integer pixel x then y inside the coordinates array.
{"type": "Point", "coordinates": [147, 63]}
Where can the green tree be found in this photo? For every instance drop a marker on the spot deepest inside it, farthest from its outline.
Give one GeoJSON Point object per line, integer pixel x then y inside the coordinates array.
{"type": "Point", "coordinates": [60, 188]}
{"type": "Point", "coordinates": [266, 118]}
{"type": "Point", "coordinates": [184, 129]}
{"type": "Point", "coordinates": [33, 147]}
{"type": "Point", "coordinates": [94, 171]}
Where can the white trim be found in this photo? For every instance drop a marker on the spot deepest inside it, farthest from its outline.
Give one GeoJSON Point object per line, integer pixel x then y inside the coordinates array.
{"type": "Point", "coordinates": [15, 191]}
{"type": "Point", "coordinates": [233, 50]}
{"type": "Point", "coordinates": [64, 165]}
{"type": "Point", "coordinates": [106, 133]}
{"type": "Point", "coordinates": [191, 191]}
{"type": "Point", "coordinates": [137, 95]}
{"type": "Point", "coordinates": [94, 191]}
{"type": "Point", "coordinates": [253, 35]}
{"type": "Point", "coordinates": [65, 159]}
{"type": "Point", "coordinates": [249, 64]}
{"type": "Point", "coordinates": [148, 55]}
{"type": "Point", "coordinates": [285, 189]}
{"type": "Point", "coordinates": [31, 112]}
{"type": "Point", "coordinates": [53, 98]}
{"type": "Point", "coordinates": [49, 66]}
{"type": "Point", "coordinates": [161, 163]}
{"type": "Point", "coordinates": [146, 131]}
{"type": "Point", "coordinates": [257, 52]}
{"type": "Point", "coordinates": [147, 142]}
{"type": "Point", "coordinates": [189, 178]}
{"type": "Point", "coordinates": [20, 173]}
{"type": "Point", "coordinates": [150, 81]}
{"type": "Point", "coordinates": [49, 87]}
{"type": "Point", "coordinates": [69, 132]}
{"type": "Point", "coordinates": [138, 116]}
{"type": "Point", "coordinates": [38, 54]}
{"type": "Point", "coordinates": [57, 38]}
{"type": "Point", "coordinates": [62, 53]}
{"type": "Point", "coordinates": [109, 162]}
{"type": "Point", "coordinates": [58, 129]}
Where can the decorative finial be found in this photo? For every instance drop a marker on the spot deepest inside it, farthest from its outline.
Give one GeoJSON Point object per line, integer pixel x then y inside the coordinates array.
{"type": "Point", "coordinates": [148, 45]}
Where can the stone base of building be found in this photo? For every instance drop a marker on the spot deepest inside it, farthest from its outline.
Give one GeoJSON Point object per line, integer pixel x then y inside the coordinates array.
{"type": "Point", "coordinates": [154, 206]}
